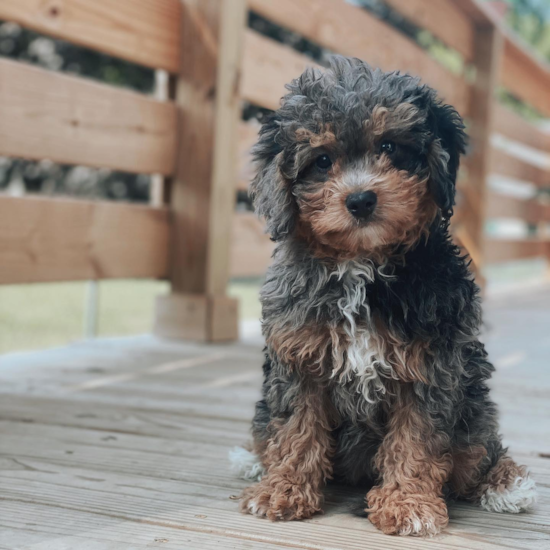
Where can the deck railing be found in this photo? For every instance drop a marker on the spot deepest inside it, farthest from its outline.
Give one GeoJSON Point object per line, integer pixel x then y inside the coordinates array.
{"type": "Point", "coordinates": [197, 240]}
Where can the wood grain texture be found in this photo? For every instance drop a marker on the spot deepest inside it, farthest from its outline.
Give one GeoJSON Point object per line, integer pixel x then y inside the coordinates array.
{"type": "Point", "coordinates": [185, 316]}
{"type": "Point", "coordinates": [443, 19]}
{"type": "Point", "coordinates": [525, 77]}
{"type": "Point", "coordinates": [139, 459]}
{"type": "Point", "coordinates": [515, 127]}
{"type": "Point", "coordinates": [507, 165]}
{"type": "Point", "coordinates": [65, 119]}
{"type": "Point", "coordinates": [203, 190]}
{"type": "Point", "coordinates": [248, 135]}
{"type": "Point", "coordinates": [43, 240]}
{"type": "Point", "coordinates": [352, 31]}
{"type": "Point", "coordinates": [252, 248]}
{"type": "Point", "coordinates": [486, 60]}
{"type": "Point", "coordinates": [475, 11]}
{"type": "Point", "coordinates": [267, 67]}
{"type": "Point", "coordinates": [140, 31]}
{"type": "Point", "coordinates": [232, 22]}
{"type": "Point", "coordinates": [507, 250]}
{"type": "Point", "coordinates": [524, 73]}
{"type": "Point", "coordinates": [505, 206]}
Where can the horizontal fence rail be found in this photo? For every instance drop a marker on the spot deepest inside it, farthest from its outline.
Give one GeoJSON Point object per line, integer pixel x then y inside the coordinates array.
{"type": "Point", "coordinates": [526, 77]}
{"type": "Point", "coordinates": [252, 249]}
{"type": "Point", "coordinates": [142, 31]}
{"type": "Point", "coordinates": [216, 62]}
{"type": "Point", "coordinates": [45, 240]}
{"type": "Point", "coordinates": [504, 250]}
{"type": "Point", "coordinates": [48, 240]}
{"type": "Point", "coordinates": [74, 121]}
{"type": "Point", "coordinates": [349, 30]}
{"type": "Point", "coordinates": [505, 206]}
{"type": "Point", "coordinates": [505, 164]}
{"type": "Point", "coordinates": [515, 127]}
{"type": "Point", "coordinates": [444, 19]}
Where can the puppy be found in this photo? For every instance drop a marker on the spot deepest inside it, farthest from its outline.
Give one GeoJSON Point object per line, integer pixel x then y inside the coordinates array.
{"type": "Point", "coordinates": [373, 372]}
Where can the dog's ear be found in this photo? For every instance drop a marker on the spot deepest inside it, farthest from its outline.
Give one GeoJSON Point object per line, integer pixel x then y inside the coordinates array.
{"type": "Point", "coordinates": [449, 142]}
{"type": "Point", "coordinates": [270, 190]}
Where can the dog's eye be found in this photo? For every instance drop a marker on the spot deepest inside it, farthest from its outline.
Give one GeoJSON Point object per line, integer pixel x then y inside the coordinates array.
{"type": "Point", "coordinates": [387, 147]}
{"type": "Point", "coordinates": [323, 162]}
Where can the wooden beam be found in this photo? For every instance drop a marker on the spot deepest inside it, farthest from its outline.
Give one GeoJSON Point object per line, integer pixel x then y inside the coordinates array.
{"type": "Point", "coordinates": [203, 190]}
{"type": "Point", "coordinates": [350, 30]}
{"type": "Point", "coordinates": [524, 73]}
{"type": "Point", "coordinates": [267, 67]}
{"type": "Point", "coordinates": [196, 317]}
{"type": "Point", "coordinates": [248, 134]}
{"type": "Point", "coordinates": [526, 78]}
{"type": "Point", "coordinates": [443, 19]}
{"type": "Point", "coordinates": [44, 240]}
{"type": "Point", "coordinates": [487, 55]}
{"type": "Point", "coordinates": [505, 206]}
{"type": "Point", "coordinates": [513, 167]}
{"type": "Point", "coordinates": [46, 115]}
{"type": "Point", "coordinates": [252, 248]}
{"type": "Point", "coordinates": [515, 127]}
{"type": "Point", "coordinates": [507, 250]}
{"type": "Point", "coordinates": [140, 31]}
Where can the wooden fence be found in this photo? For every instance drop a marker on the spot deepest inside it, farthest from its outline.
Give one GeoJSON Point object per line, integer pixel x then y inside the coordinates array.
{"type": "Point", "coordinates": [197, 240]}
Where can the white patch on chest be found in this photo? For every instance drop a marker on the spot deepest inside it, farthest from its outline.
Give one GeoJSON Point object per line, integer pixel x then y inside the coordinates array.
{"type": "Point", "coordinates": [362, 357]}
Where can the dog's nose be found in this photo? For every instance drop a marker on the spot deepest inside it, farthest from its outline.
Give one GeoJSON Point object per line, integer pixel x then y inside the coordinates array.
{"type": "Point", "coordinates": [361, 205]}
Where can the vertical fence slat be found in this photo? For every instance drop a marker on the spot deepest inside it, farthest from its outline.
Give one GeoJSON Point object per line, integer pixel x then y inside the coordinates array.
{"type": "Point", "coordinates": [157, 185]}
{"type": "Point", "coordinates": [487, 62]}
{"type": "Point", "coordinates": [203, 189]}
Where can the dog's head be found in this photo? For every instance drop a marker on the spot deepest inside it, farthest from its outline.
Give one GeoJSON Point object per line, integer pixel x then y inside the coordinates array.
{"type": "Point", "coordinates": [357, 161]}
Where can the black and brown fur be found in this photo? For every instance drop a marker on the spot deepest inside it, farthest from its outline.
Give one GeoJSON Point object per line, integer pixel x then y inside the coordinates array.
{"type": "Point", "coordinates": [374, 371]}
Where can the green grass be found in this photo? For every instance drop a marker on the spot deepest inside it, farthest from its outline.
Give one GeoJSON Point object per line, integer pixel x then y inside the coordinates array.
{"type": "Point", "coordinates": [45, 315]}
{"type": "Point", "coordinates": [40, 316]}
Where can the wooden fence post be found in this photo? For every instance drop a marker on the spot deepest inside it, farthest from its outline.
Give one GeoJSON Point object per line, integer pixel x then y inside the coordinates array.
{"type": "Point", "coordinates": [488, 44]}
{"type": "Point", "coordinates": [203, 189]}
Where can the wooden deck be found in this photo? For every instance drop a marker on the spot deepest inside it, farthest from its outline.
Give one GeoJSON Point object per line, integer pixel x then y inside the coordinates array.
{"type": "Point", "coordinates": [122, 444]}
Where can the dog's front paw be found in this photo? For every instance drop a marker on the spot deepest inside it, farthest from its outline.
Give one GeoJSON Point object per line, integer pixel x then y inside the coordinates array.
{"type": "Point", "coordinates": [255, 500]}
{"type": "Point", "coordinates": [397, 513]}
{"type": "Point", "coordinates": [281, 500]}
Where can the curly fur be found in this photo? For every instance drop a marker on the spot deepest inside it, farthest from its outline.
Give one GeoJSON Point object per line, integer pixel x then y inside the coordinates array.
{"type": "Point", "coordinates": [374, 372]}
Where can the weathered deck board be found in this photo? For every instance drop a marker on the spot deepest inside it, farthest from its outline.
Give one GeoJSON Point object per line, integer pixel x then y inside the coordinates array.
{"type": "Point", "coordinates": [122, 444]}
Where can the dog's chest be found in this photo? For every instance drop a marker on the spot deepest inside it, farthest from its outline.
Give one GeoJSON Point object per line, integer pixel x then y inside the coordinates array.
{"type": "Point", "coordinates": [328, 327]}
{"type": "Point", "coordinates": [359, 365]}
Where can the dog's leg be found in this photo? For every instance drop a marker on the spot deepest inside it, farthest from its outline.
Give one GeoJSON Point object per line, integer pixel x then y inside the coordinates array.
{"type": "Point", "coordinates": [297, 458]}
{"type": "Point", "coordinates": [483, 473]}
{"type": "Point", "coordinates": [507, 488]}
{"type": "Point", "coordinates": [499, 486]}
{"type": "Point", "coordinates": [414, 465]}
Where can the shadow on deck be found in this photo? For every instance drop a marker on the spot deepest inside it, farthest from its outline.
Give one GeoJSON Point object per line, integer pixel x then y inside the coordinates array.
{"type": "Point", "coordinates": [122, 444]}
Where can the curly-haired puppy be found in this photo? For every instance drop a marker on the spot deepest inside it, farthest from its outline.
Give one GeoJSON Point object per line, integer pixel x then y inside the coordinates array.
{"type": "Point", "coordinates": [373, 371]}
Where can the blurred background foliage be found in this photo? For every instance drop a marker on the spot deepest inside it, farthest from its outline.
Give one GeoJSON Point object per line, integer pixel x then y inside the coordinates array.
{"type": "Point", "coordinates": [530, 19]}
